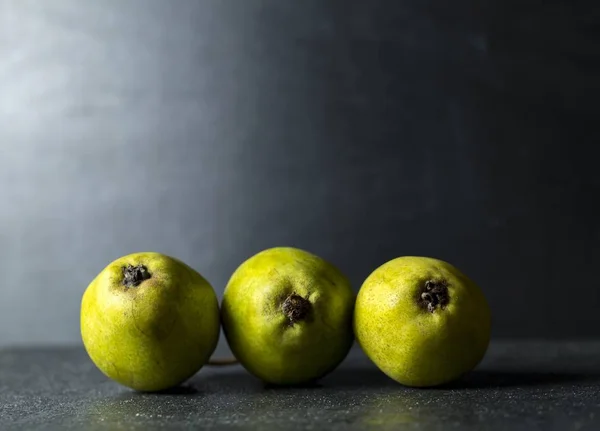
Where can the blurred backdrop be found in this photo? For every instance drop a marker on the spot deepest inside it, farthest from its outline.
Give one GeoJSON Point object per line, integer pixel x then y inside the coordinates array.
{"type": "Point", "coordinates": [360, 131]}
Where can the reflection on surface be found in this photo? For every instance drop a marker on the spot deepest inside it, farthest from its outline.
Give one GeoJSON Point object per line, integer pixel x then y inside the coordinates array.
{"type": "Point", "coordinates": [350, 398]}
{"type": "Point", "coordinates": [415, 408]}
{"type": "Point", "coordinates": [133, 411]}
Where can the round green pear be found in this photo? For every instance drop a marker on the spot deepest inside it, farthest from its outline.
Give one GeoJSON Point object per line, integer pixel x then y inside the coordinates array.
{"type": "Point", "coordinates": [149, 321]}
{"type": "Point", "coordinates": [287, 315]}
{"type": "Point", "coordinates": [422, 321]}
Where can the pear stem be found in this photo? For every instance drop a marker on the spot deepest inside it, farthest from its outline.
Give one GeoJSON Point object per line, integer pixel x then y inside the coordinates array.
{"type": "Point", "coordinates": [222, 362]}
{"type": "Point", "coordinates": [434, 295]}
{"type": "Point", "coordinates": [296, 308]}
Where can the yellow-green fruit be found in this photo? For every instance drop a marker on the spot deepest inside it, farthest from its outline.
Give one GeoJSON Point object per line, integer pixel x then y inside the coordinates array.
{"type": "Point", "coordinates": [287, 315]}
{"type": "Point", "coordinates": [422, 321]}
{"type": "Point", "coordinates": [149, 321]}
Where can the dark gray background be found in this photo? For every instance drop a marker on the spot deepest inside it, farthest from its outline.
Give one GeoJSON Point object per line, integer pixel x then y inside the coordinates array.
{"type": "Point", "coordinates": [360, 131]}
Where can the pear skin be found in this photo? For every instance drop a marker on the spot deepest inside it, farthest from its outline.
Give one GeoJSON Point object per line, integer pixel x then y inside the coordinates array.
{"type": "Point", "coordinates": [149, 321]}
{"type": "Point", "coordinates": [422, 321]}
{"type": "Point", "coordinates": [287, 316]}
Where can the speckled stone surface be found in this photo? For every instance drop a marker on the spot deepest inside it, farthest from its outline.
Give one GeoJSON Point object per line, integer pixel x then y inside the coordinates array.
{"type": "Point", "coordinates": [525, 385]}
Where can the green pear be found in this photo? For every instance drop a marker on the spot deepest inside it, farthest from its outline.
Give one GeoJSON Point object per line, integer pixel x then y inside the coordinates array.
{"type": "Point", "coordinates": [422, 321]}
{"type": "Point", "coordinates": [287, 315]}
{"type": "Point", "coordinates": [149, 321]}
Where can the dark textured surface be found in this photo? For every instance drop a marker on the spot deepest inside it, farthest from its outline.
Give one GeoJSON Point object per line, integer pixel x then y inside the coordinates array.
{"type": "Point", "coordinates": [519, 386]}
{"type": "Point", "coordinates": [359, 130]}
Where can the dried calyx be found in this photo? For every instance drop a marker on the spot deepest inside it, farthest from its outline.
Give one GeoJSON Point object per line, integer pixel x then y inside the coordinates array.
{"type": "Point", "coordinates": [134, 275]}
{"type": "Point", "coordinates": [296, 308]}
{"type": "Point", "coordinates": [434, 295]}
